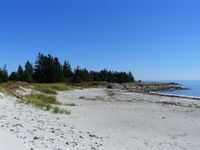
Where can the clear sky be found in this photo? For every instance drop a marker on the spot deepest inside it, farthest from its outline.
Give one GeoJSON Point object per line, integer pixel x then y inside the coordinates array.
{"type": "Point", "coordinates": [155, 39]}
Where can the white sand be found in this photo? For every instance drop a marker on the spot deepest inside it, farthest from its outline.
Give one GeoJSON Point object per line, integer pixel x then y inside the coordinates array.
{"type": "Point", "coordinates": [104, 120]}
{"type": "Point", "coordinates": [10, 142]}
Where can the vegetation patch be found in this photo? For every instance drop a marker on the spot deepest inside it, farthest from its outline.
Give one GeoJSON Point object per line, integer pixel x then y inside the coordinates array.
{"type": "Point", "coordinates": [69, 104]}
{"type": "Point", "coordinates": [49, 69]}
{"type": "Point", "coordinates": [51, 88]}
{"type": "Point", "coordinates": [88, 84]}
{"type": "Point", "coordinates": [9, 88]}
{"type": "Point", "coordinates": [57, 110]}
{"type": "Point", "coordinates": [43, 101]}
{"type": "Point", "coordinates": [40, 100]}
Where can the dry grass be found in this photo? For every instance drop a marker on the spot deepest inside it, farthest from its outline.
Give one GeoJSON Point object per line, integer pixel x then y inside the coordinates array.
{"type": "Point", "coordinates": [89, 84]}
{"type": "Point", "coordinates": [43, 101]}
{"type": "Point", "coordinates": [46, 100]}
{"type": "Point", "coordinates": [10, 88]}
{"type": "Point", "coordinates": [40, 100]}
{"type": "Point", "coordinates": [53, 87]}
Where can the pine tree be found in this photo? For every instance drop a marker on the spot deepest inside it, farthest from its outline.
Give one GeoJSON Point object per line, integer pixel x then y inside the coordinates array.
{"type": "Point", "coordinates": [20, 73]}
{"type": "Point", "coordinates": [57, 71]}
{"type": "Point", "coordinates": [48, 69]}
{"type": "Point", "coordinates": [28, 73]}
{"type": "Point", "coordinates": [13, 76]}
{"type": "Point", "coordinates": [3, 74]}
{"type": "Point", "coordinates": [67, 71]}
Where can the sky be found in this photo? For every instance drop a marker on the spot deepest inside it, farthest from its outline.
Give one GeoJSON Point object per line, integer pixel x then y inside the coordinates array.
{"type": "Point", "coordinates": [156, 40]}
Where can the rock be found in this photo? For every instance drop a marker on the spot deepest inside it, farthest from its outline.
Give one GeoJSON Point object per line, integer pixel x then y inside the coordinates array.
{"type": "Point", "coordinates": [109, 86]}
{"type": "Point", "coordinates": [82, 97]}
{"type": "Point", "coordinates": [36, 138]}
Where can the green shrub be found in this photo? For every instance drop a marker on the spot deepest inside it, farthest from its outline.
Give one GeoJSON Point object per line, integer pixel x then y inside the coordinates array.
{"type": "Point", "coordinates": [56, 110]}
{"type": "Point", "coordinates": [48, 107]}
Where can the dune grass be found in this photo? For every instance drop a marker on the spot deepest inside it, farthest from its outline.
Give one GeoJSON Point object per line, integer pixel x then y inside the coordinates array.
{"type": "Point", "coordinates": [46, 99]}
{"type": "Point", "coordinates": [88, 84]}
{"type": "Point", "coordinates": [69, 104]}
{"type": "Point", "coordinates": [40, 100]}
{"type": "Point", "coordinates": [46, 102]}
{"type": "Point", "coordinates": [51, 88]}
{"type": "Point", "coordinates": [9, 88]}
{"type": "Point", "coordinates": [57, 110]}
{"type": "Point", "coordinates": [46, 90]}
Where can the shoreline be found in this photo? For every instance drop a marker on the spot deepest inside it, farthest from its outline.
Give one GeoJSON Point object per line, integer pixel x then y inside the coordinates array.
{"type": "Point", "coordinates": [144, 87]}
{"type": "Point", "coordinates": [173, 95]}
{"type": "Point", "coordinates": [104, 119]}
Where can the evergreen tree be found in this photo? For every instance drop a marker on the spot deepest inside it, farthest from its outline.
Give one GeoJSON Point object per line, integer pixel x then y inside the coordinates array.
{"type": "Point", "coordinates": [28, 73]}
{"type": "Point", "coordinates": [67, 71]}
{"type": "Point", "coordinates": [3, 75]}
{"type": "Point", "coordinates": [20, 73]}
{"type": "Point", "coordinates": [13, 76]}
{"type": "Point", "coordinates": [76, 78]}
{"type": "Point", "coordinates": [57, 71]}
{"type": "Point", "coordinates": [48, 69]}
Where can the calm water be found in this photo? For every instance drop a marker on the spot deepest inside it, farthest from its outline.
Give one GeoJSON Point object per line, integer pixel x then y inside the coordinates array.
{"type": "Point", "coordinates": [194, 85]}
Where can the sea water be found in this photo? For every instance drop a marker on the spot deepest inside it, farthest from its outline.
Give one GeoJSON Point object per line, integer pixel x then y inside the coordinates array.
{"type": "Point", "coordinates": [193, 85]}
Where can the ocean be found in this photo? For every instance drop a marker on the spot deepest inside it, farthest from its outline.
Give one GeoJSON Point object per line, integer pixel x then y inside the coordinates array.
{"type": "Point", "coordinates": [194, 86]}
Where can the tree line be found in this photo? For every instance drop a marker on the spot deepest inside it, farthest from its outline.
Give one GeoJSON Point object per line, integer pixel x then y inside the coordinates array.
{"type": "Point", "coordinates": [48, 69]}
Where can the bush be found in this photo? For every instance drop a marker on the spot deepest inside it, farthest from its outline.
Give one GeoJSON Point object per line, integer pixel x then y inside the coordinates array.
{"type": "Point", "coordinates": [56, 110]}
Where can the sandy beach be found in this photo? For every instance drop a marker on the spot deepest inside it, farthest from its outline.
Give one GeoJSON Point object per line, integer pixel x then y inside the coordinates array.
{"type": "Point", "coordinates": [103, 119]}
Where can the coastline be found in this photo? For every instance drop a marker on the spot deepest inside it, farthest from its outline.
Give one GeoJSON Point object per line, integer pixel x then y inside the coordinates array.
{"type": "Point", "coordinates": [105, 119]}
{"type": "Point", "coordinates": [174, 95]}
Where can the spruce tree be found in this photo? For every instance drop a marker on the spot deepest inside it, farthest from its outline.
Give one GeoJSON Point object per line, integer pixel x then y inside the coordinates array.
{"type": "Point", "coordinates": [20, 73]}
{"type": "Point", "coordinates": [13, 76]}
{"type": "Point", "coordinates": [28, 73]}
{"type": "Point", "coordinates": [3, 74]}
{"type": "Point", "coordinates": [57, 71]}
{"type": "Point", "coordinates": [67, 71]}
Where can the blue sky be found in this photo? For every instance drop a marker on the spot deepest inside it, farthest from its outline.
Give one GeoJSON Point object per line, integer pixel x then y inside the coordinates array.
{"type": "Point", "coordinates": [157, 39]}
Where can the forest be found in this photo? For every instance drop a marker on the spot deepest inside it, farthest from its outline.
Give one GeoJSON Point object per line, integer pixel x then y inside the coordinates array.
{"type": "Point", "coordinates": [48, 69]}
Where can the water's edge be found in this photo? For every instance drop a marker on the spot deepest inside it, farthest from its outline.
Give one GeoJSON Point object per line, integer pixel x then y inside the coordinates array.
{"type": "Point", "coordinates": [193, 85]}
{"type": "Point", "coordinates": [174, 95]}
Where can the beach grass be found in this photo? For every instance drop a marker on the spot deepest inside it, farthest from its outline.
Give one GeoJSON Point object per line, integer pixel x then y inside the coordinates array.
{"type": "Point", "coordinates": [40, 100]}
{"type": "Point", "coordinates": [52, 88]}
{"type": "Point", "coordinates": [46, 102]}
{"type": "Point", "coordinates": [46, 98]}
{"type": "Point", "coordinates": [69, 104]}
{"type": "Point", "coordinates": [9, 88]}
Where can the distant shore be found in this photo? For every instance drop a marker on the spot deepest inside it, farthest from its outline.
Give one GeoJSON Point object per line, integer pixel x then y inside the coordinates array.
{"type": "Point", "coordinates": [144, 87]}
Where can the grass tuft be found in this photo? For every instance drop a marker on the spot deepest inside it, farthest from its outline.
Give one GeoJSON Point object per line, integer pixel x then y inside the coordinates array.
{"type": "Point", "coordinates": [44, 102]}
{"type": "Point", "coordinates": [40, 100]}
{"type": "Point", "coordinates": [9, 88]}
{"type": "Point", "coordinates": [69, 104]}
{"type": "Point", "coordinates": [57, 110]}
{"type": "Point", "coordinates": [46, 90]}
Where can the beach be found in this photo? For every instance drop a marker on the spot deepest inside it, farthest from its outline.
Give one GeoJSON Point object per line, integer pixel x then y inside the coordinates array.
{"type": "Point", "coordinates": [103, 119]}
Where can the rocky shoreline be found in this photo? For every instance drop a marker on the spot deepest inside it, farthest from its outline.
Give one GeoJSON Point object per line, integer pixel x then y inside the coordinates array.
{"type": "Point", "coordinates": [143, 87]}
